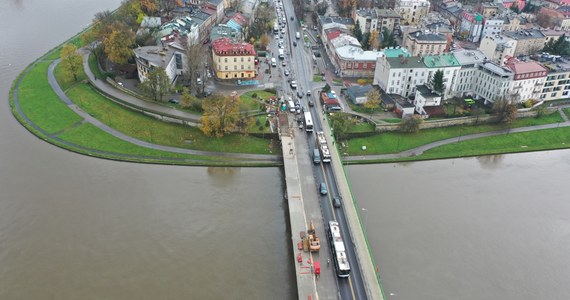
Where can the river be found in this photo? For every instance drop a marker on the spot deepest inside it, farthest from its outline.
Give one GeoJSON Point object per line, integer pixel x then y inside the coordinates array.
{"type": "Point", "coordinates": [76, 227]}
{"type": "Point", "coordinates": [493, 227]}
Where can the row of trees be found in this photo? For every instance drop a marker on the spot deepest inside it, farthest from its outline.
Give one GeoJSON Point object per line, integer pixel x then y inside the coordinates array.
{"type": "Point", "coordinates": [374, 39]}
{"type": "Point", "coordinates": [559, 46]}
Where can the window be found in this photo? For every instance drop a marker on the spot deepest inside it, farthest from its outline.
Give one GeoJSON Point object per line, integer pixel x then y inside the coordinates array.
{"type": "Point", "coordinates": [235, 59]}
{"type": "Point", "coordinates": [226, 59]}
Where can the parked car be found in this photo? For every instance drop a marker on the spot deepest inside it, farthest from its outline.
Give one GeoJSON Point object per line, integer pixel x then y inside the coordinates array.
{"type": "Point", "coordinates": [286, 72]}
{"type": "Point", "coordinates": [323, 188]}
{"type": "Point", "coordinates": [336, 202]}
{"type": "Point", "coordinates": [204, 94]}
{"type": "Point", "coordinates": [173, 101]}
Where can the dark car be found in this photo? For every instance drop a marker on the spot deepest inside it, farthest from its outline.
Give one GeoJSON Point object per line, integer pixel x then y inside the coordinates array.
{"type": "Point", "coordinates": [311, 103]}
{"type": "Point", "coordinates": [174, 101]}
{"type": "Point", "coordinates": [323, 188]}
{"type": "Point", "coordinates": [299, 93]}
{"type": "Point", "coordinates": [336, 202]}
{"type": "Point", "coordinates": [294, 43]}
{"type": "Point", "coordinates": [204, 94]}
{"type": "Point", "coordinates": [292, 18]}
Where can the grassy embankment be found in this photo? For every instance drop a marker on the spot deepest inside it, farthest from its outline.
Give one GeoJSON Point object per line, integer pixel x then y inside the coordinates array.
{"type": "Point", "coordinates": [61, 126]}
{"type": "Point", "coordinates": [507, 143]}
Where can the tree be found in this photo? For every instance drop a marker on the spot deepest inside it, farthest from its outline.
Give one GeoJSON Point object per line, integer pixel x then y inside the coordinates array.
{"type": "Point", "coordinates": [340, 123]}
{"type": "Point", "coordinates": [388, 39]}
{"type": "Point", "coordinates": [477, 112]}
{"type": "Point", "coordinates": [118, 44]}
{"type": "Point", "coordinates": [345, 7]}
{"type": "Point", "coordinates": [326, 88]}
{"type": "Point", "coordinates": [167, 6]}
{"type": "Point", "coordinates": [195, 59]}
{"type": "Point", "coordinates": [546, 19]}
{"type": "Point", "coordinates": [437, 82]}
{"type": "Point", "coordinates": [374, 40]}
{"type": "Point", "coordinates": [157, 84]}
{"type": "Point", "coordinates": [559, 46]}
{"type": "Point", "coordinates": [411, 124]}
{"type": "Point", "coordinates": [221, 114]}
{"type": "Point", "coordinates": [71, 61]}
{"type": "Point", "coordinates": [505, 110]}
{"type": "Point", "coordinates": [149, 6]}
{"type": "Point", "coordinates": [365, 42]}
{"type": "Point", "coordinates": [372, 100]}
{"type": "Point", "coordinates": [264, 40]}
{"type": "Point", "coordinates": [356, 31]}
{"type": "Point", "coordinates": [456, 101]}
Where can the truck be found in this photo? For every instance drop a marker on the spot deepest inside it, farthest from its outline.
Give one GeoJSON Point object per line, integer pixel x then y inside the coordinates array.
{"type": "Point", "coordinates": [316, 156]}
{"type": "Point", "coordinates": [323, 147]}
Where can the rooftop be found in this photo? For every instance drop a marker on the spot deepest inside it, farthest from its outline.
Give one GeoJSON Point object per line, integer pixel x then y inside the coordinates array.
{"type": "Point", "coordinates": [350, 52]}
{"type": "Point", "coordinates": [367, 13]}
{"type": "Point", "coordinates": [426, 92]}
{"type": "Point", "coordinates": [356, 91]}
{"type": "Point", "coordinates": [158, 55]}
{"type": "Point", "coordinates": [468, 57]}
{"type": "Point", "coordinates": [395, 98]}
{"type": "Point", "coordinates": [336, 19]}
{"type": "Point", "coordinates": [523, 67]}
{"type": "Point", "coordinates": [405, 62]}
{"type": "Point", "coordinates": [388, 13]}
{"type": "Point", "coordinates": [225, 47]}
{"type": "Point", "coordinates": [222, 30]}
{"type": "Point", "coordinates": [524, 34]}
{"type": "Point", "coordinates": [344, 40]}
{"type": "Point", "coordinates": [496, 69]}
{"type": "Point", "coordinates": [396, 52]}
{"type": "Point", "coordinates": [427, 37]}
{"type": "Point", "coordinates": [440, 61]}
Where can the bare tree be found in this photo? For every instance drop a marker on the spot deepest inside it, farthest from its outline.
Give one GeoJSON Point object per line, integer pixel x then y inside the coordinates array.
{"type": "Point", "coordinates": [505, 110]}
{"type": "Point", "coordinates": [196, 58]}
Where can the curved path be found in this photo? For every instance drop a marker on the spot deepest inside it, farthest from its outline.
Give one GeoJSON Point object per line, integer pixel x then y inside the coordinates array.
{"type": "Point", "coordinates": [239, 157]}
{"type": "Point", "coordinates": [421, 149]}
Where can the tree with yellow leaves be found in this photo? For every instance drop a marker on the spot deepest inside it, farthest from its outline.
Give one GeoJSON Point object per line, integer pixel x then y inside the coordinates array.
{"type": "Point", "coordinates": [71, 61]}
{"type": "Point", "coordinates": [118, 44]}
{"type": "Point", "coordinates": [221, 115]}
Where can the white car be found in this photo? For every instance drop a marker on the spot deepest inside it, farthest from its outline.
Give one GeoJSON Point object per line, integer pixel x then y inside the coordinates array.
{"type": "Point", "coordinates": [286, 72]}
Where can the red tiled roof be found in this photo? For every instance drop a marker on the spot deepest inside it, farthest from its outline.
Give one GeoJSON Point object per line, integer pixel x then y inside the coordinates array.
{"type": "Point", "coordinates": [333, 35]}
{"type": "Point", "coordinates": [525, 67]}
{"type": "Point", "coordinates": [240, 19]}
{"type": "Point", "coordinates": [225, 47]}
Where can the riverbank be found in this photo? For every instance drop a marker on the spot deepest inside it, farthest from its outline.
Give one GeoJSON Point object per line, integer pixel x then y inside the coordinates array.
{"type": "Point", "coordinates": [46, 111]}
{"type": "Point", "coordinates": [84, 120]}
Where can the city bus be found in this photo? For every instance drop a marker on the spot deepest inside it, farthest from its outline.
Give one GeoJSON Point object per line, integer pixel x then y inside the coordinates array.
{"type": "Point", "coordinates": [338, 251]}
{"type": "Point", "coordinates": [308, 122]}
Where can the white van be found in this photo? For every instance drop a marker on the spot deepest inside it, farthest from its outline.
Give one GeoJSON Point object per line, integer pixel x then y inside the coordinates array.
{"type": "Point", "coordinates": [298, 35]}
{"type": "Point", "coordinates": [273, 62]}
{"type": "Point", "coordinates": [291, 105]}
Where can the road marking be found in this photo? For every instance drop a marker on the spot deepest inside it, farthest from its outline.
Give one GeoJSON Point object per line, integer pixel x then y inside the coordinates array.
{"type": "Point", "coordinates": [351, 288]}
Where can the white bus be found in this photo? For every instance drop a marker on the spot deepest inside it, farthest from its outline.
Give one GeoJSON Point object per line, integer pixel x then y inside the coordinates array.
{"type": "Point", "coordinates": [308, 122]}
{"type": "Point", "coordinates": [338, 250]}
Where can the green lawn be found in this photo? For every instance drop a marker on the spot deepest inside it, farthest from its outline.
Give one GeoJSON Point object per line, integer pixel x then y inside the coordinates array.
{"type": "Point", "coordinates": [249, 103]}
{"type": "Point", "coordinates": [151, 130]}
{"type": "Point", "coordinates": [362, 127]}
{"type": "Point", "coordinates": [255, 125]}
{"type": "Point", "coordinates": [40, 103]}
{"type": "Point", "coordinates": [317, 78]}
{"type": "Point", "coordinates": [66, 83]}
{"type": "Point", "coordinates": [94, 66]}
{"type": "Point", "coordinates": [393, 142]}
{"type": "Point", "coordinates": [89, 136]}
{"type": "Point", "coordinates": [392, 120]}
{"type": "Point", "coordinates": [567, 111]}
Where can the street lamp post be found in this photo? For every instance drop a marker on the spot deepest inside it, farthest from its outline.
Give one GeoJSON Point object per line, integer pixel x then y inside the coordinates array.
{"type": "Point", "coordinates": [364, 212]}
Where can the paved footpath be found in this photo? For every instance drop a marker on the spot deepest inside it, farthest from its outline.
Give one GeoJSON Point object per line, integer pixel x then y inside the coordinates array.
{"type": "Point", "coordinates": [423, 148]}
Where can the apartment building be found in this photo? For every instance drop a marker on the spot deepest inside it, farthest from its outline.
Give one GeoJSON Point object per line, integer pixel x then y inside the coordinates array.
{"type": "Point", "coordinates": [171, 57]}
{"type": "Point", "coordinates": [471, 26]}
{"type": "Point", "coordinates": [233, 60]}
{"type": "Point", "coordinates": [492, 82]}
{"type": "Point", "coordinates": [492, 27]}
{"type": "Point", "coordinates": [400, 75]}
{"type": "Point", "coordinates": [422, 43]}
{"type": "Point", "coordinates": [557, 83]}
{"type": "Point", "coordinates": [412, 11]}
{"type": "Point", "coordinates": [469, 60]}
{"type": "Point", "coordinates": [528, 79]}
{"type": "Point", "coordinates": [527, 41]}
{"type": "Point", "coordinates": [446, 63]}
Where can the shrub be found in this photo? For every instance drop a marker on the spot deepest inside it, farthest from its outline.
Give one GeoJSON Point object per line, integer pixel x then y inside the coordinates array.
{"type": "Point", "coordinates": [411, 124]}
{"type": "Point", "coordinates": [257, 122]}
{"type": "Point", "coordinates": [361, 81]}
{"type": "Point", "coordinates": [271, 90]}
{"type": "Point", "coordinates": [528, 103]}
{"type": "Point", "coordinates": [254, 95]}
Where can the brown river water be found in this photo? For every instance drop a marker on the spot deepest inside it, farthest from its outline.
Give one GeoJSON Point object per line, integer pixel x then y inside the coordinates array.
{"type": "Point", "coordinates": [76, 227]}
